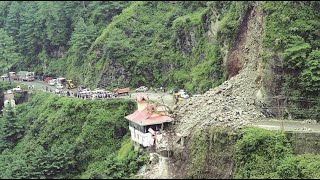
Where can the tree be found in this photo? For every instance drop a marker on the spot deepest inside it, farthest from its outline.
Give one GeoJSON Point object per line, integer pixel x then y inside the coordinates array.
{"type": "Point", "coordinates": [101, 12]}
{"type": "Point", "coordinates": [81, 40]}
{"type": "Point", "coordinates": [59, 160]}
{"type": "Point", "coordinates": [11, 130]}
{"type": "Point", "coordinates": [294, 56]}
{"type": "Point", "coordinates": [12, 24]}
{"type": "Point", "coordinates": [29, 33]}
{"type": "Point", "coordinates": [310, 77]}
{"type": "Point", "coordinates": [4, 9]}
{"type": "Point", "coordinates": [8, 54]}
{"type": "Point", "coordinates": [57, 24]}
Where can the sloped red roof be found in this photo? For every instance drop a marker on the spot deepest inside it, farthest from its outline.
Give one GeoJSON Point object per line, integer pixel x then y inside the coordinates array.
{"type": "Point", "coordinates": [151, 107]}
{"type": "Point", "coordinates": [143, 117]}
{"type": "Point", "coordinates": [142, 98]}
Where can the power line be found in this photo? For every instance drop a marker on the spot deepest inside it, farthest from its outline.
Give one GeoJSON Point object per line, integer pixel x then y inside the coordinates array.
{"type": "Point", "coordinates": [318, 99]}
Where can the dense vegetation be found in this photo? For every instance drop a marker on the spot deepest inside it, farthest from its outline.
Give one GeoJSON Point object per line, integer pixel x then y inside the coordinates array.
{"type": "Point", "coordinates": [81, 39]}
{"type": "Point", "coordinates": [54, 137]}
{"type": "Point", "coordinates": [170, 44]}
{"type": "Point", "coordinates": [268, 154]}
{"type": "Point", "coordinates": [43, 32]}
{"type": "Point", "coordinates": [251, 153]}
{"type": "Point", "coordinates": [159, 44]}
{"type": "Point", "coordinates": [292, 38]}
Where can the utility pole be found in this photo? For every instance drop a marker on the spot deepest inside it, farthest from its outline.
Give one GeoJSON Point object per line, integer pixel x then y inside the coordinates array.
{"type": "Point", "coordinates": [280, 105]}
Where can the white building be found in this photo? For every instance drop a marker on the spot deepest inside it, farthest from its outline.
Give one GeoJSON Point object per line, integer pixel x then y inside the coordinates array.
{"type": "Point", "coordinates": [9, 99]}
{"type": "Point", "coordinates": [147, 122]}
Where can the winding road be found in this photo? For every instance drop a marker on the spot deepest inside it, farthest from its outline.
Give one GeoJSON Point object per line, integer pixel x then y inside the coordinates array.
{"type": "Point", "coordinates": [167, 99]}
{"type": "Point", "coordinates": [161, 97]}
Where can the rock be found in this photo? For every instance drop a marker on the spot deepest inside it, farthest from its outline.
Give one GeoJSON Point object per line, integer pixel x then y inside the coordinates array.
{"type": "Point", "coordinates": [209, 102]}
{"type": "Point", "coordinates": [232, 103]}
{"type": "Point", "coordinates": [154, 158]}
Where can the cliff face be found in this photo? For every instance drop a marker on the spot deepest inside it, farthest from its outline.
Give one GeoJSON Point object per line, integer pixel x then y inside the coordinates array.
{"type": "Point", "coordinates": [235, 102]}
{"type": "Point", "coordinates": [195, 49]}
{"type": "Point", "coordinates": [215, 152]}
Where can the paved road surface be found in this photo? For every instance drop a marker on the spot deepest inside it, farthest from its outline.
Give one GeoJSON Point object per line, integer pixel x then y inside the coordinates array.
{"type": "Point", "coordinates": [289, 125]}
{"type": "Point", "coordinates": [161, 97]}
{"type": "Point", "coordinates": [167, 99]}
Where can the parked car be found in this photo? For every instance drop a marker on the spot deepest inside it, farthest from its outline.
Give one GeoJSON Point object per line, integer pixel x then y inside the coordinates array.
{"type": "Point", "coordinates": [85, 90]}
{"type": "Point", "coordinates": [4, 76]}
{"type": "Point", "coordinates": [13, 75]}
{"type": "Point", "coordinates": [18, 88]}
{"type": "Point", "coordinates": [142, 89]}
{"type": "Point", "coordinates": [183, 94]}
{"type": "Point", "coordinates": [59, 86]}
{"type": "Point", "coordinates": [52, 82]}
{"type": "Point", "coordinates": [47, 79]}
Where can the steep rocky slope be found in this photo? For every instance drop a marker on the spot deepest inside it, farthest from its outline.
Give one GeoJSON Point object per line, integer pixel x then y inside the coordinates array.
{"type": "Point", "coordinates": [235, 102]}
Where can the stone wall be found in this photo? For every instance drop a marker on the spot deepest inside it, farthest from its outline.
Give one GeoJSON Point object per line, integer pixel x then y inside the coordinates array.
{"type": "Point", "coordinates": [304, 142]}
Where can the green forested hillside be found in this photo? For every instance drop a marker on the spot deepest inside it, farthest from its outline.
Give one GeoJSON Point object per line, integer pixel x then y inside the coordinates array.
{"type": "Point", "coordinates": [174, 44]}
{"type": "Point", "coordinates": [81, 39]}
{"type": "Point", "coordinates": [149, 41]}
{"type": "Point", "coordinates": [170, 43]}
{"type": "Point", "coordinates": [43, 32]}
{"type": "Point", "coordinates": [54, 137]}
{"type": "Point", "coordinates": [291, 43]}
{"type": "Point", "coordinates": [251, 153]}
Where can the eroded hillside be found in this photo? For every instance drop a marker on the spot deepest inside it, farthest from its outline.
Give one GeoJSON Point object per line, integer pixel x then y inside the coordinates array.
{"type": "Point", "coordinates": [235, 102]}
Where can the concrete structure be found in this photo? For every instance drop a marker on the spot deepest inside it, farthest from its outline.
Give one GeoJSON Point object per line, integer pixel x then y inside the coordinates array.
{"type": "Point", "coordinates": [9, 98]}
{"type": "Point", "coordinates": [147, 122]}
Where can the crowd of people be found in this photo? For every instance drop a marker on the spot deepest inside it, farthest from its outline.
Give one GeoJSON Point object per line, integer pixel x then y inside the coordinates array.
{"type": "Point", "coordinates": [81, 94]}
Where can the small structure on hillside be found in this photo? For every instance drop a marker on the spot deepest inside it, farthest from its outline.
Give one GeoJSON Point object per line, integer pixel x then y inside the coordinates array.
{"type": "Point", "coordinates": [146, 124]}
{"type": "Point", "coordinates": [9, 98]}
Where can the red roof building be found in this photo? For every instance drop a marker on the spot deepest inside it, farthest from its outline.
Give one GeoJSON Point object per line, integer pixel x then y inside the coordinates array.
{"type": "Point", "coordinates": [149, 118]}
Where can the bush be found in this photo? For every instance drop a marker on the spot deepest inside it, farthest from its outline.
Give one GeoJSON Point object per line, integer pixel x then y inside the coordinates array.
{"type": "Point", "coordinates": [66, 137]}
{"type": "Point", "coordinates": [259, 152]}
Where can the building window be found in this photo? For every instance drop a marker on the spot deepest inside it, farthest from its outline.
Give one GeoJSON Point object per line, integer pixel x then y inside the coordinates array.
{"type": "Point", "coordinates": [158, 127]}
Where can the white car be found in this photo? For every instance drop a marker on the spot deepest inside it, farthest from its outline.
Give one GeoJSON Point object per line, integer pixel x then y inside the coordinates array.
{"type": "Point", "coordinates": [185, 95]}
{"type": "Point", "coordinates": [142, 89]}
{"type": "Point", "coordinates": [18, 88]}
{"type": "Point", "coordinates": [52, 82]}
{"type": "Point", "coordinates": [59, 86]}
{"type": "Point", "coordinates": [4, 76]}
{"type": "Point", "coordinates": [85, 90]}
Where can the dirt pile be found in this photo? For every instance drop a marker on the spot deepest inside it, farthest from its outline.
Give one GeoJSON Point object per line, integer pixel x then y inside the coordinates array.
{"type": "Point", "coordinates": [234, 103]}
